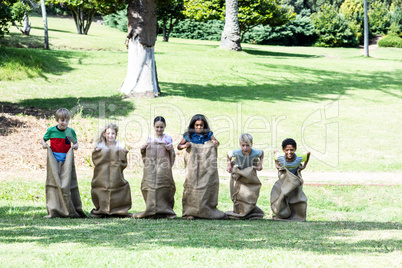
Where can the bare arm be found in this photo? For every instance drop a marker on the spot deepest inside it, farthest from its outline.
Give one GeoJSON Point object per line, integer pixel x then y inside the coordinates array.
{"type": "Point", "coordinates": [259, 167]}
{"type": "Point", "coordinates": [215, 141]}
{"type": "Point", "coordinates": [44, 144]}
{"type": "Point", "coordinates": [306, 162]}
{"type": "Point", "coordinates": [183, 144]}
{"type": "Point", "coordinates": [229, 168]}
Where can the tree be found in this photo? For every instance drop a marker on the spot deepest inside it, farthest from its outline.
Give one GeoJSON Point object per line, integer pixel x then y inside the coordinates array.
{"type": "Point", "coordinates": [6, 17]}
{"type": "Point", "coordinates": [21, 10]}
{"type": "Point", "coordinates": [231, 33]}
{"type": "Point", "coordinates": [250, 12]}
{"type": "Point", "coordinates": [84, 10]}
{"type": "Point", "coordinates": [169, 12]}
{"type": "Point", "coordinates": [141, 79]}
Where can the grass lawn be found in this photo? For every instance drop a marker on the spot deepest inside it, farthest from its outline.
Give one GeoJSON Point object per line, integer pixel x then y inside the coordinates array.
{"type": "Point", "coordinates": [347, 225]}
{"type": "Point", "coordinates": [344, 108]}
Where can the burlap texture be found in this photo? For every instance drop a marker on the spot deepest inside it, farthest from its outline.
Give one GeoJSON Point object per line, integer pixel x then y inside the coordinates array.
{"type": "Point", "coordinates": [201, 187]}
{"type": "Point", "coordinates": [288, 200]}
{"type": "Point", "coordinates": [244, 191]}
{"type": "Point", "coordinates": [158, 187]}
{"type": "Point", "coordinates": [62, 194]}
{"type": "Point", "coordinates": [110, 192]}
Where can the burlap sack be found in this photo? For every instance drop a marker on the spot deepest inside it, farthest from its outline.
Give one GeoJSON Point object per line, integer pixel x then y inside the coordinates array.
{"type": "Point", "coordinates": [158, 187]}
{"type": "Point", "coordinates": [110, 192]}
{"type": "Point", "coordinates": [201, 187]}
{"type": "Point", "coordinates": [244, 191]}
{"type": "Point", "coordinates": [288, 200]}
{"type": "Point", "coordinates": [62, 194]}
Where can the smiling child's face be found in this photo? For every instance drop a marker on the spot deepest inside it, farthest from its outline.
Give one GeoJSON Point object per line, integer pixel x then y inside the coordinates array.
{"type": "Point", "coordinates": [159, 128]}
{"type": "Point", "coordinates": [110, 135]}
{"type": "Point", "coordinates": [199, 126]}
{"type": "Point", "coordinates": [289, 151]}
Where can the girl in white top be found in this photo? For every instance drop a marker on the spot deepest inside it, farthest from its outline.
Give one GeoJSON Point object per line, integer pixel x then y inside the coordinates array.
{"type": "Point", "coordinates": [107, 139]}
{"type": "Point", "coordinates": [159, 136]}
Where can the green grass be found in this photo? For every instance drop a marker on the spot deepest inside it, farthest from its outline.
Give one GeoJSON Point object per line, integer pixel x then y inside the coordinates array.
{"type": "Point", "coordinates": [359, 223]}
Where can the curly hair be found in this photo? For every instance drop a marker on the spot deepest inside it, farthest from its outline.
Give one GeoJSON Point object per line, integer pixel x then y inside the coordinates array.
{"type": "Point", "coordinates": [289, 141]}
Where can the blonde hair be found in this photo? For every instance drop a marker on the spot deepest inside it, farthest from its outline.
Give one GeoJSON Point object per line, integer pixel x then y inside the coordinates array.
{"type": "Point", "coordinates": [247, 138]}
{"type": "Point", "coordinates": [110, 125]}
{"type": "Point", "coordinates": [62, 113]}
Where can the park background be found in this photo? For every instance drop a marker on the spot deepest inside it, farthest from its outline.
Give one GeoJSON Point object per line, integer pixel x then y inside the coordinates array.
{"type": "Point", "coordinates": [343, 107]}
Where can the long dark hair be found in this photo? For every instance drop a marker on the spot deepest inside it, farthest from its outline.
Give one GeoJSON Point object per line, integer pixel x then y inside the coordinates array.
{"type": "Point", "coordinates": [159, 119]}
{"type": "Point", "coordinates": [191, 130]}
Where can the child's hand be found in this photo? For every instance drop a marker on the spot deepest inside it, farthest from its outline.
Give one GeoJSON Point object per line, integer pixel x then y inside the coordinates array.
{"type": "Point", "coordinates": [45, 146]}
{"type": "Point", "coordinates": [143, 147]}
{"type": "Point", "coordinates": [259, 168]}
{"type": "Point", "coordinates": [75, 146]}
{"type": "Point", "coordinates": [215, 142]}
{"type": "Point", "coordinates": [229, 169]}
{"type": "Point", "coordinates": [169, 147]}
{"type": "Point", "coordinates": [301, 167]}
{"type": "Point", "coordinates": [188, 144]}
{"type": "Point", "coordinates": [98, 149]}
{"type": "Point", "coordinates": [125, 150]}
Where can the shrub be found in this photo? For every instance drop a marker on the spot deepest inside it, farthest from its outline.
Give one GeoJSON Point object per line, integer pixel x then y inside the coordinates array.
{"type": "Point", "coordinates": [390, 41]}
{"type": "Point", "coordinates": [299, 32]}
{"type": "Point", "coordinates": [334, 29]}
{"type": "Point", "coordinates": [379, 17]}
{"type": "Point", "coordinates": [117, 20]}
{"type": "Point", "coordinates": [191, 29]}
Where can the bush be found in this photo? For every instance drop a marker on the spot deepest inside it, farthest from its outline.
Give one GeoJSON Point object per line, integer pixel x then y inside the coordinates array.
{"type": "Point", "coordinates": [334, 29]}
{"type": "Point", "coordinates": [390, 41]}
{"type": "Point", "coordinates": [191, 29]}
{"type": "Point", "coordinates": [379, 17]}
{"type": "Point", "coordinates": [299, 32]}
{"type": "Point", "coordinates": [117, 20]}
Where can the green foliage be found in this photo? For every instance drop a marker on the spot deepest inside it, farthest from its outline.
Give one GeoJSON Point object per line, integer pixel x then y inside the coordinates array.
{"type": "Point", "coordinates": [6, 17]}
{"type": "Point", "coordinates": [396, 20]}
{"type": "Point", "coordinates": [262, 12]}
{"type": "Point", "coordinates": [191, 29]}
{"type": "Point", "coordinates": [169, 12]}
{"type": "Point", "coordinates": [299, 32]}
{"type": "Point", "coordinates": [251, 12]}
{"type": "Point", "coordinates": [334, 29]}
{"type": "Point", "coordinates": [353, 10]}
{"type": "Point", "coordinates": [379, 17]}
{"type": "Point", "coordinates": [391, 41]}
{"type": "Point", "coordinates": [117, 20]}
{"type": "Point", "coordinates": [83, 11]}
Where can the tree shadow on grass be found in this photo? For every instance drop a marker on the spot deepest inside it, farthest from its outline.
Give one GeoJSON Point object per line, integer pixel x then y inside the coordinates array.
{"type": "Point", "coordinates": [316, 85]}
{"type": "Point", "coordinates": [319, 237]}
{"type": "Point", "coordinates": [97, 107]}
{"type": "Point", "coordinates": [38, 62]}
{"type": "Point", "coordinates": [275, 54]}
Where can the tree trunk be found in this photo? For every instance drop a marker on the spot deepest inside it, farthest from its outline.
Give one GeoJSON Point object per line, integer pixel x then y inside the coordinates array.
{"type": "Point", "coordinates": [26, 24]}
{"type": "Point", "coordinates": [164, 26]}
{"type": "Point", "coordinates": [44, 17]}
{"type": "Point", "coordinates": [82, 18]}
{"type": "Point", "coordinates": [141, 79]}
{"type": "Point", "coordinates": [231, 33]}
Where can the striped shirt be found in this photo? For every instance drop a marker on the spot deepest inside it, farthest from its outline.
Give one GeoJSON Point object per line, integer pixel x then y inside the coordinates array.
{"type": "Point", "coordinates": [293, 165]}
{"type": "Point", "coordinates": [60, 141]}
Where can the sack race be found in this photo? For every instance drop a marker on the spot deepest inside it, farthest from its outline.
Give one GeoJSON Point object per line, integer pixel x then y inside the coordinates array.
{"type": "Point", "coordinates": [244, 191]}
{"type": "Point", "coordinates": [288, 200]}
{"type": "Point", "coordinates": [110, 192]}
{"type": "Point", "coordinates": [62, 194]}
{"type": "Point", "coordinates": [158, 187]}
{"type": "Point", "coordinates": [201, 187]}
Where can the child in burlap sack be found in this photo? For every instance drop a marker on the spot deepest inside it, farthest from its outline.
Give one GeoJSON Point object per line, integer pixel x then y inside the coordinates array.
{"type": "Point", "coordinates": [288, 201]}
{"type": "Point", "coordinates": [201, 187]}
{"type": "Point", "coordinates": [62, 194]}
{"type": "Point", "coordinates": [244, 183]}
{"type": "Point", "coordinates": [110, 192]}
